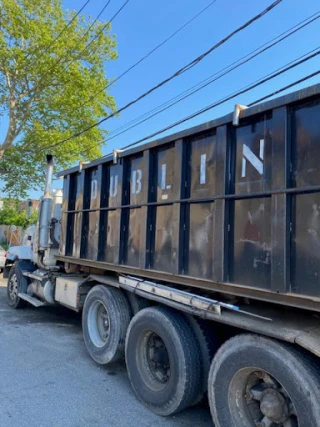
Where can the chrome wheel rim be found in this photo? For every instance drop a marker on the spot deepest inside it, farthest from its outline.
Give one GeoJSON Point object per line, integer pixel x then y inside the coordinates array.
{"type": "Point", "coordinates": [13, 287]}
{"type": "Point", "coordinates": [98, 323]}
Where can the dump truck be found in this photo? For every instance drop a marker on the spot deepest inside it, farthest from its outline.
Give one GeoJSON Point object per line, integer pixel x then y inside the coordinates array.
{"type": "Point", "coordinates": [196, 257]}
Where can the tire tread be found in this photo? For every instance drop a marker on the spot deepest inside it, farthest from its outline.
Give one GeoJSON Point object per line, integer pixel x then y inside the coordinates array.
{"type": "Point", "coordinates": [191, 352]}
{"type": "Point", "coordinates": [304, 366]}
{"type": "Point", "coordinates": [118, 301]}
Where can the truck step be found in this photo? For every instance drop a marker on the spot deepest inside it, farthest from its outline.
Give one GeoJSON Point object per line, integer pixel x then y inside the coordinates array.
{"type": "Point", "coordinates": [33, 301]}
{"type": "Point", "coordinates": [35, 275]}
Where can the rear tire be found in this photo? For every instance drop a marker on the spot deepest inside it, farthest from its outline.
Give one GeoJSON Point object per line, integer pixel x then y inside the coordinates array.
{"type": "Point", "coordinates": [163, 360]}
{"type": "Point", "coordinates": [137, 303]}
{"type": "Point", "coordinates": [105, 320]}
{"type": "Point", "coordinates": [255, 381]}
{"type": "Point", "coordinates": [208, 344]}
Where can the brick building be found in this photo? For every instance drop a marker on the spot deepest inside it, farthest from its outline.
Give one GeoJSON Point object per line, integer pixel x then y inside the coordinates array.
{"type": "Point", "coordinates": [29, 206]}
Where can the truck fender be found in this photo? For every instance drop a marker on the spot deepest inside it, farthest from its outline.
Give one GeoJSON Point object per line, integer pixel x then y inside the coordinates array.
{"type": "Point", "coordinates": [21, 266]}
{"type": "Point", "coordinates": [19, 252]}
{"type": "Point", "coordinates": [10, 260]}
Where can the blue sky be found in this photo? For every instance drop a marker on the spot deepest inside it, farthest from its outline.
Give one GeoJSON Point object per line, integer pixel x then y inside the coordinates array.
{"type": "Point", "coordinates": [143, 24]}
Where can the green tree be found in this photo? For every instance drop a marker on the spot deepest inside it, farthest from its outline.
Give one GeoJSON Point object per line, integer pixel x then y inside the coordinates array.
{"type": "Point", "coordinates": [11, 215]}
{"type": "Point", "coordinates": [33, 218]}
{"type": "Point", "coordinates": [49, 72]}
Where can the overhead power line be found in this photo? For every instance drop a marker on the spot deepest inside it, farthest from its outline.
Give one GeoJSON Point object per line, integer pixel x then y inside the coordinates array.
{"type": "Point", "coordinates": [60, 34]}
{"type": "Point", "coordinates": [119, 10]}
{"type": "Point", "coordinates": [93, 23]}
{"type": "Point", "coordinates": [103, 28]}
{"type": "Point", "coordinates": [91, 41]}
{"type": "Point", "coordinates": [216, 76]}
{"type": "Point", "coordinates": [63, 57]}
{"type": "Point", "coordinates": [139, 61]}
{"type": "Point", "coordinates": [262, 80]}
{"type": "Point", "coordinates": [233, 95]}
{"type": "Point", "coordinates": [177, 73]}
{"type": "Point", "coordinates": [148, 54]}
{"type": "Point", "coordinates": [94, 38]}
{"type": "Point", "coordinates": [65, 28]}
{"type": "Point", "coordinates": [87, 45]}
{"type": "Point", "coordinates": [144, 57]}
{"type": "Point", "coordinates": [50, 45]}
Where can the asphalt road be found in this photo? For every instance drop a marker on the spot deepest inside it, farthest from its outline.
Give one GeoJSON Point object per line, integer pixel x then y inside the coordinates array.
{"type": "Point", "coordinates": [47, 379]}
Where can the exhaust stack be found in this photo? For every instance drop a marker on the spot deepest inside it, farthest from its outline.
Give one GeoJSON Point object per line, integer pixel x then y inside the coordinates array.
{"type": "Point", "coordinates": [49, 174]}
{"type": "Point", "coordinates": [45, 209]}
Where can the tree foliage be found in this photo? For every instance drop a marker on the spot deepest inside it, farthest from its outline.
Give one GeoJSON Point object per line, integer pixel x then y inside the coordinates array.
{"type": "Point", "coordinates": [10, 214]}
{"type": "Point", "coordinates": [52, 77]}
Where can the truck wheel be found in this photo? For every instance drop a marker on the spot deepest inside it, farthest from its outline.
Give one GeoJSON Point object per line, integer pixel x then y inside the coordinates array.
{"type": "Point", "coordinates": [208, 344]}
{"type": "Point", "coordinates": [163, 360]}
{"type": "Point", "coordinates": [259, 382]}
{"type": "Point", "coordinates": [105, 320]}
{"type": "Point", "coordinates": [137, 303]}
{"type": "Point", "coordinates": [16, 283]}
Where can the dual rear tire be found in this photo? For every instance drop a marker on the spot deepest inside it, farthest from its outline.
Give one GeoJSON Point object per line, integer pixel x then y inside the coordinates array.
{"type": "Point", "coordinates": [105, 320]}
{"type": "Point", "coordinates": [167, 354]}
{"type": "Point", "coordinates": [259, 382]}
{"type": "Point", "coordinates": [253, 381]}
{"type": "Point", "coordinates": [163, 360]}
